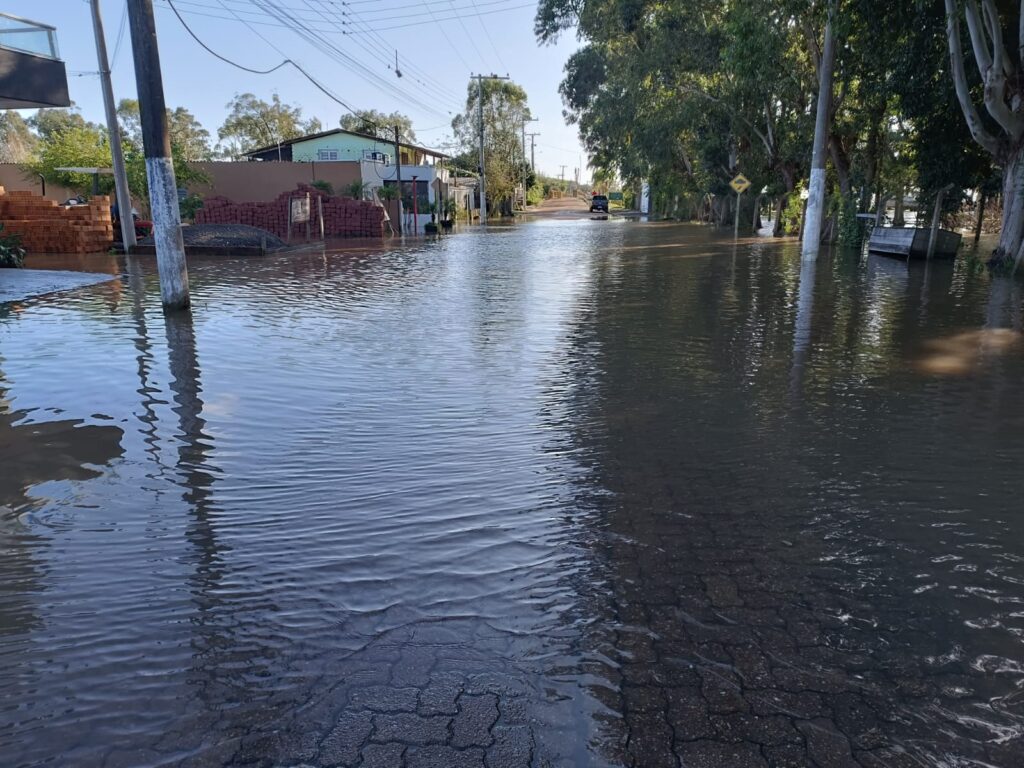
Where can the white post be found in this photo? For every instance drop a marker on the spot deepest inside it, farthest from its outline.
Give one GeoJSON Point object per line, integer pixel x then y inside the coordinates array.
{"type": "Point", "coordinates": [816, 197]}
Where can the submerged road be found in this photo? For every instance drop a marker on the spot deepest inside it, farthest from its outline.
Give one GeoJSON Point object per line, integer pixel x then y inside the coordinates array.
{"type": "Point", "coordinates": [564, 493]}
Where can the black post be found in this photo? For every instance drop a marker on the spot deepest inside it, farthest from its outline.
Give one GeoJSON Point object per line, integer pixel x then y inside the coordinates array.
{"type": "Point", "coordinates": [163, 189]}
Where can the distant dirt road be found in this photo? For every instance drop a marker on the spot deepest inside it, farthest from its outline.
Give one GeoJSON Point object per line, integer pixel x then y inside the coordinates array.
{"type": "Point", "coordinates": [563, 208]}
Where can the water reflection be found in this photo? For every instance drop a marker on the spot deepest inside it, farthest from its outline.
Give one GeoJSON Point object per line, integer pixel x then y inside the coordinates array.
{"type": "Point", "coordinates": [571, 493]}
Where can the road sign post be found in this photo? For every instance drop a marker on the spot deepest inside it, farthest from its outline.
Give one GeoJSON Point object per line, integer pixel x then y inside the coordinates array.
{"type": "Point", "coordinates": [740, 185]}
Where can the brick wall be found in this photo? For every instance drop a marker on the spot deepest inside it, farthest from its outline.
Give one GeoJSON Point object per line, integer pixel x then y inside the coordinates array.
{"type": "Point", "coordinates": [343, 217]}
{"type": "Point", "coordinates": [46, 227]}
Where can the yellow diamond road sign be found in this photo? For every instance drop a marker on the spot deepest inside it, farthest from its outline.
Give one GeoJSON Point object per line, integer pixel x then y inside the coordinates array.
{"type": "Point", "coordinates": [741, 184]}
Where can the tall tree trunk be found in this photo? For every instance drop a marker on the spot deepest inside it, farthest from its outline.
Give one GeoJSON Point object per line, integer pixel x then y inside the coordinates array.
{"type": "Point", "coordinates": [1012, 234]}
{"type": "Point", "coordinates": [898, 219]}
{"type": "Point", "coordinates": [841, 162]}
{"type": "Point", "coordinates": [979, 219]}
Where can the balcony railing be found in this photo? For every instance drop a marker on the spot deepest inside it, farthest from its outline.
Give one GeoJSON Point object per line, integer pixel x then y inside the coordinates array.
{"type": "Point", "coordinates": [26, 36]}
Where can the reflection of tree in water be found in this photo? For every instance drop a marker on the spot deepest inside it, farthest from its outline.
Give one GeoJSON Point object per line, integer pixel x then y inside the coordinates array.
{"type": "Point", "coordinates": [739, 582]}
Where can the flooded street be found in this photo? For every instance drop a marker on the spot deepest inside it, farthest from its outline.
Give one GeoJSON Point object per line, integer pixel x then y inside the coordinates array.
{"type": "Point", "coordinates": [574, 493]}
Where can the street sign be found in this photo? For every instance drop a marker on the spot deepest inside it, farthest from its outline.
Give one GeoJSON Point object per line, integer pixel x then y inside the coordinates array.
{"type": "Point", "coordinates": [740, 184]}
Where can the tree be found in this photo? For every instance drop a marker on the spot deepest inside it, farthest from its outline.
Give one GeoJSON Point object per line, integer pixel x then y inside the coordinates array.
{"type": "Point", "coordinates": [505, 109]}
{"type": "Point", "coordinates": [47, 122]}
{"type": "Point", "coordinates": [83, 146]}
{"type": "Point", "coordinates": [186, 132]}
{"type": "Point", "coordinates": [381, 125]}
{"type": "Point", "coordinates": [253, 123]}
{"type": "Point", "coordinates": [1001, 135]}
{"type": "Point", "coordinates": [17, 142]}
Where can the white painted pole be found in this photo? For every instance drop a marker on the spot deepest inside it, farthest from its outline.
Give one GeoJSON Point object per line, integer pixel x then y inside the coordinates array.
{"type": "Point", "coordinates": [816, 193]}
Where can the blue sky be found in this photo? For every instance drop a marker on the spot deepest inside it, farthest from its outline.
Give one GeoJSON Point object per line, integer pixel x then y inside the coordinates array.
{"type": "Point", "coordinates": [439, 43]}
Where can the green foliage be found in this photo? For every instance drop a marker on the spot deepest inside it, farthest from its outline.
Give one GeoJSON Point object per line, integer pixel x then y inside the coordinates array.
{"type": "Point", "coordinates": [12, 255]}
{"type": "Point", "coordinates": [387, 192]}
{"type": "Point", "coordinates": [74, 146]}
{"type": "Point", "coordinates": [793, 213]}
{"type": "Point", "coordinates": [253, 123]}
{"type": "Point", "coordinates": [323, 186]}
{"type": "Point", "coordinates": [355, 190]}
{"type": "Point", "coordinates": [380, 124]}
{"type": "Point", "coordinates": [851, 229]}
{"type": "Point", "coordinates": [188, 207]}
{"type": "Point", "coordinates": [535, 194]}
{"type": "Point", "coordinates": [186, 132]}
{"type": "Point", "coordinates": [17, 143]}
{"type": "Point", "coordinates": [505, 108]}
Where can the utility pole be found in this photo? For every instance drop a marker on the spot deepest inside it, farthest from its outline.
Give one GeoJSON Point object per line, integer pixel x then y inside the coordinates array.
{"type": "Point", "coordinates": [525, 174]}
{"type": "Point", "coordinates": [533, 155]}
{"type": "Point", "coordinates": [163, 190]}
{"type": "Point", "coordinates": [483, 173]}
{"type": "Point", "coordinates": [398, 176]}
{"type": "Point", "coordinates": [816, 193]}
{"type": "Point", "coordinates": [121, 193]}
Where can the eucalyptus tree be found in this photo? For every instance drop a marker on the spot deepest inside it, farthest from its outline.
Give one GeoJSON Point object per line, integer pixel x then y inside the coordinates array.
{"type": "Point", "coordinates": [504, 110]}
{"type": "Point", "coordinates": [996, 36]}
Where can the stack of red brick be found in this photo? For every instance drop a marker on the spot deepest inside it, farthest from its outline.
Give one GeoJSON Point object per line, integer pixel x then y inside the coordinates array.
{"type": "Point", "coordinates": [343, 217]}
{"type": "Point", "coordinates": [47, 227]}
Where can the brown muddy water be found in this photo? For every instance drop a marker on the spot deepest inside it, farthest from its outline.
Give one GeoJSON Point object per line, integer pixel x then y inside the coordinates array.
{"type": "Point", "coordinates": [575, 493]}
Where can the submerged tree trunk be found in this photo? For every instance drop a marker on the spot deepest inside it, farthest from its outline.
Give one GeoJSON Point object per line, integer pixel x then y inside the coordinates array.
{"type": "Point", "coordinates": [1011, 238]}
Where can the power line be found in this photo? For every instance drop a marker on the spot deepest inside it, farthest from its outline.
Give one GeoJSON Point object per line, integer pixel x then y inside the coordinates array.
{"type": "Point", "coordinates": [383, 53]}
{"type": "Point", "coordinates": [209, 50]}
{"type": "Point", "coordinates": [120, 35]}
{"type": "Point", "coordinates": [328, 48]}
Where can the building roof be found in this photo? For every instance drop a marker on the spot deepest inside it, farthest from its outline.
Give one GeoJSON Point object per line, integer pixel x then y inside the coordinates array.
{"type": "Point", "coordinates": [332, 132]}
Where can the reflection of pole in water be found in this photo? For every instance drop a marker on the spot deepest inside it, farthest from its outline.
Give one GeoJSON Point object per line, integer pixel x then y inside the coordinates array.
{"type": "Point", "coordinates": [802, 329]}
{"type": "Point", "coordinates": [144, 364]}
{"type": "Point", "coordinates": [196, 474]}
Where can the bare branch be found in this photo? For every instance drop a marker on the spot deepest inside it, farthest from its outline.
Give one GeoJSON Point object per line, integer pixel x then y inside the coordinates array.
{"type": "Point", "coordinates": [963, 93]}
{"type": "Point", "coordinates": [978, 41]}
{"type": "Point", "coordinates": [1002, 62]}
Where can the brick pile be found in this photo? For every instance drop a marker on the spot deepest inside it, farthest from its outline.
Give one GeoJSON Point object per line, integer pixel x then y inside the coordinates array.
{"type": "Point", "coordinates": [343, 217]}
{"type": "Point", "coordinates": [48, 227]}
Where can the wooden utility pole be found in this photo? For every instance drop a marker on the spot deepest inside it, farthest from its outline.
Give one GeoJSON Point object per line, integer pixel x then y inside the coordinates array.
{"type": "Point", "coordinates": [398, 176]}
{"type": "Point", "coordinates": [816, 193]}
{"type": "Point", "coordinates": [163, 190]}
{"type": "Point", "coordinates": [121, 192]}
{"type": "Point", "coordinates": [533, 154]}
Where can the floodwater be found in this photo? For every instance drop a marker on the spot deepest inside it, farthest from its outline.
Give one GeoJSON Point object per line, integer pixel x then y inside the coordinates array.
{"type": "Point", "coordinates": [571, 493]}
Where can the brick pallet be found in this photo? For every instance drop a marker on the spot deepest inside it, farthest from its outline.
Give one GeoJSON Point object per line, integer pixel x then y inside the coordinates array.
{"type": "Point", "coordinates": [343, 217]}
{"type": "Point", "coordinates": [47, 227]}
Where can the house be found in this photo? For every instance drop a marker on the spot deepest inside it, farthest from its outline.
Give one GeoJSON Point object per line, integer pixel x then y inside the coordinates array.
{"type": "Point", "coordinates": [339, 145]}
{"type": "Point", "coordinates": [32, 74]}
{"type": "Point", "coordinates": [377, 168]}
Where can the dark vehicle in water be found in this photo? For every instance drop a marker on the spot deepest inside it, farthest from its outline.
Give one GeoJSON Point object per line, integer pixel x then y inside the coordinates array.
{"type": "Point", "coordinates": [599, 203]}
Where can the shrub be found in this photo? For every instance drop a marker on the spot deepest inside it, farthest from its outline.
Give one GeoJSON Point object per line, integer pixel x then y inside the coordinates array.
{"type": "Point", "coordinates": [189, 205]}
{"type": "Point", "coordinates": [323, 186]}
{"type": "Point", "coordinates": [12, 255]}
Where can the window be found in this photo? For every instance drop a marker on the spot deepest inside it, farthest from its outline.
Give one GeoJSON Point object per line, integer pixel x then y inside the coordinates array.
{"type": "Point", "coordinates": [327, 154]}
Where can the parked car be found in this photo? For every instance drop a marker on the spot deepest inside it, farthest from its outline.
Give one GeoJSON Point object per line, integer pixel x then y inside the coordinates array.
{"type": "Point", "coordinates": [599, 203]}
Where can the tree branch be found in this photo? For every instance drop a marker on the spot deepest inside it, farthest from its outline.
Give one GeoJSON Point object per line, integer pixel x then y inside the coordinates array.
{"type": "Point", "coordinates": [963, 92]}
{"type": "Point", "coordinates": [978, 42]}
